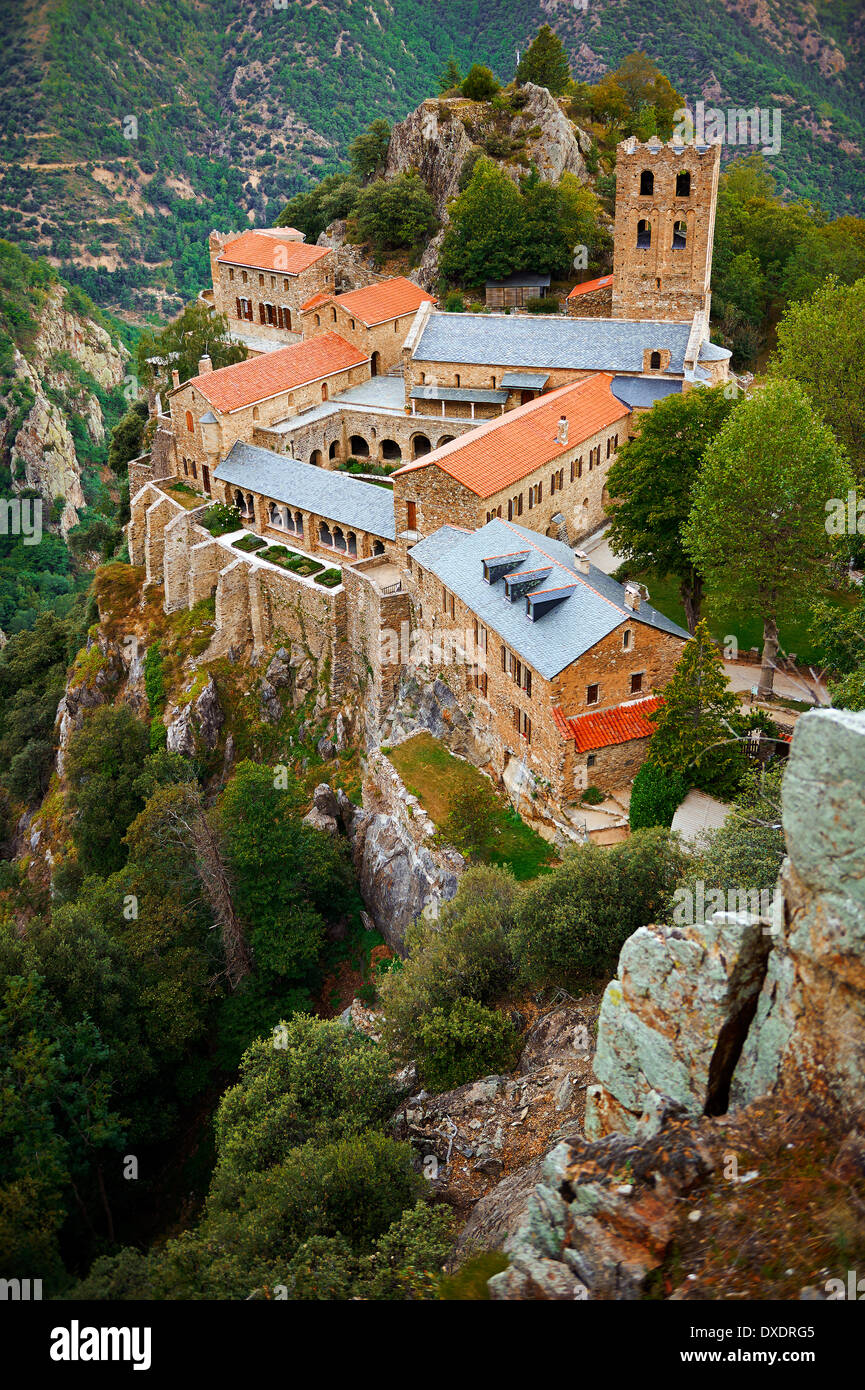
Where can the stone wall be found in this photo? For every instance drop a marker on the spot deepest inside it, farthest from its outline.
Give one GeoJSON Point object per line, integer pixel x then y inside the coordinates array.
{"type": "Point", "coordinates": [377, 624]}
{"type": "Point", "coordinates": [278, 288]}
{"type": "Point", "coordinates": [594, 304]}
{"type": "Point", "coordinates": [332, 436]}
{"type": "Point", "coordinates": [384, 339]}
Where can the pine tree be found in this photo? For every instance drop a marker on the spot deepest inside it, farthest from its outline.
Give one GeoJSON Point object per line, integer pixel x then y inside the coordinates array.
{"type": "Point", "coordinates": [545, 63]}
{"type": "Point", "coordinates": [696, 733]}
{"type": "Point", "coordinates": [451, 78]}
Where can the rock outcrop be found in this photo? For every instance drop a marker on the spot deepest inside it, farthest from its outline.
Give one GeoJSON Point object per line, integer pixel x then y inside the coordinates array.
{"type": "Point", "coordinates": [66, 350]}
{"type": "Point", "coordinates": [402, 873]}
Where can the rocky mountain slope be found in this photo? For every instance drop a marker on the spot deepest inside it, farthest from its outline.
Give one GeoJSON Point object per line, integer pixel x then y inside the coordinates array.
{"type": "Point", "coordinates": [129, 129]}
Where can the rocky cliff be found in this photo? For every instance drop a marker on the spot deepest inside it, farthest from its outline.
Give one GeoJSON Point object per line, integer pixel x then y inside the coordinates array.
{"type": "Point", "coordinates": [727, 1054]}
{"type": "Point", "coordinates": [54, 380]}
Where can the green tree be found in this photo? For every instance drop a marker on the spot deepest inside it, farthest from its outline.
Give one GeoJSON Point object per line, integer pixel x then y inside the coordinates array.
{"type": "Point", "coordinates": [396, 212]}
{"type": "Point", "coordinates": [655, 797]}
{"type": "Point", "coordinates": [471, 820]}
{"type": "Point", "coordinates": [545, 62]}
{"type": "Point", "coordinates": [311, 212]}
{"type": "Point", "coordinates": [32, 679]}
{"type": "Point", "coordinates": [479, 83]}
{"type": "Point", "coordinates": [196, 331]}
{"type": "Point", "coordinates": [571, 924]}
{"type": "Point", "coordinates": [368, 151]}
{"type": "Point", "coordinates": [651, 484]}
{"type": "Point", "coordinates": [451, 77]}
{"type": "Point", "coordinates": [464, 1042]}
{"type": "Point", "coordinates": [484, 238]}
{"type": "Point", "coordinates": [757, 529]}
{"type": "Point", "coordinates": [821, 344]}
{"type": "Point", "coordinates": [126, 437]}
{"type": "Point", "coordinates": [104, 760]}
{"type": "Point", "coordinates": [695, 736]}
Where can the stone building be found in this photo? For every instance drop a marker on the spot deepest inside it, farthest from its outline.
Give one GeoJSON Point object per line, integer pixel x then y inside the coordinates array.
{"type": "Point", "coordinates": [543, 464]}
{"type": "Point", "coordinates": [480, 365]}
{"type": "Point", "coordinates": [551, 658]}
{"type": "Point", "coordinates": [260, 280]}
{"type": "Point", "coordinates": [592, 299]}
{"type": "Point", "coordinates": [212, 411]}
{"type": "Point", "coordinates": [327, 514]}
{"type": "Point", "coordinates": [375, 318]}
{"type": "Point", "coordinates": [666, 197]}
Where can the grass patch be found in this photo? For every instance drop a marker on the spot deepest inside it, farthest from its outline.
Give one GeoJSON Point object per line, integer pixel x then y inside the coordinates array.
{"type": "Point", "coordinates": [748, 631]}
{"type": "Point", "coordinates": [329, 579]}
{"type": "Point", "coordinates": [432, 774]}
{"type": "Point", "coordinates": [249, 543]}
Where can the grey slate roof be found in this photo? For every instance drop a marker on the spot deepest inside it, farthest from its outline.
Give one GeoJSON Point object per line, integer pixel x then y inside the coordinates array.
{"type": "Point", "coordinates": [552, 642]}
{"type": "Point", "coordinates": [528, 380]}
{"type": "Point", "coordinates": [547, 341]}
{"type": "Point", "coordinates": [712, 352]}
{"type": "Point", "coordinates": [459, 393]}
{"type": "Point", "coordinates": [642, 390]}
{"type": "Point", "coordinates": [332, 495]}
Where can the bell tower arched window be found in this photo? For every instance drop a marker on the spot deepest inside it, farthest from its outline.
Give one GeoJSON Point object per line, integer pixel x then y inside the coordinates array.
{"type": "Point", "coordinates": [644, 234]}
{"type": "Point", "coordinates": [683, 184]}
{"type": "Point", "coordinates": [647, 183]}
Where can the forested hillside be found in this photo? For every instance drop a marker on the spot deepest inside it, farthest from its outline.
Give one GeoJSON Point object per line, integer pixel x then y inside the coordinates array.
{"type": "Point", "coordinates": [129, 128]}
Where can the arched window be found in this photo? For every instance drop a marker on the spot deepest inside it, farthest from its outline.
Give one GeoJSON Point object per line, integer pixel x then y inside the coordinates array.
{"type": "Point", "coordinates": [324, 534]}
{"type": "Point", "coordinates": [647, 183]}
{"type": "Point", "coordinates": [683, 184]}
{"type": "Point", "coordinates": [324, 390]}
{"type": "Point", "coordinates": [298, 524]}
{"type": "Point", "coordinates": [352, 543]}
{"type": "Point", "coordinates": [189, 421]}
{"type": "Point", "coordinates": [333, 316]}
{"type": "Point", "coordinates": [315, 458]}
{"type": "Point", "coordinates": [378, 547]}
{"type": "Point", "coordinates": [644, 234]}
{"type": "Point", "coordinates": [358, 447]}
{"type": "Point", "coordinates": [274, 515]}
{"type": "Point", "coordinates": [420, 445]}
{"type": "Point", "coordinates": [390, 449]}
{"type": "Point", "coordinates": [680, 235]}
{"type": "Point", "coordinates": [655, 361]}
{"type": "Point", "coordinates": [338, 538]}
{"type": "Point", "coordinates": [333, 451]}
{"type": "Point", "coordinates": [318, 320]}
{"type": "Point", "coordinates": [256, 413]}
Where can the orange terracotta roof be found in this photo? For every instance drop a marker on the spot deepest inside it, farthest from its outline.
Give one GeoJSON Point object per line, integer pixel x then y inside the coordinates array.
{"type": "Point", "coordinates": [589, 285]}
{"type": "Point", "coordinates": [259, 378]}
{"type": "Point", "coordinates": [321, 297]}
{"type": "Point", "coordinates": [263, 252]}
{"type": "Point", "coordinates": [386, 300]}
{"type": "Point", "coordinates": [606, 727]}
{"type": "Point", "coordinates": [501, 451]}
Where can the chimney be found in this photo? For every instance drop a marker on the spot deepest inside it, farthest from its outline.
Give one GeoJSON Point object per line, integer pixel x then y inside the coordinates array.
{"type": "Point", "coordinates": [562, 432]}
{"type": "Point", "coordinates": [633, 597]}
{"type": "Point", "coordinates": [204, 365]}
{"type": "Point", "coordinates": [175, 378]}
{"type": "Point", "coordinates": [581, 561]}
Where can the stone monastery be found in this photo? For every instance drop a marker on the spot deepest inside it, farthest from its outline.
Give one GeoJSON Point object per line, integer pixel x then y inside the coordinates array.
{"type": "Point", "coordinates": [498, 429]}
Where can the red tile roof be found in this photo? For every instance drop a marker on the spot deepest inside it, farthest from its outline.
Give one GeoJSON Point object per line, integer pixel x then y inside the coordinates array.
{"type": "Point", "coordinates": [589, 285]}
{"type": "Point", "coordinates": [321, 297]}
{"type": "Point", "coordinates": [606, 727]}
{"type": "Point", "coordinates": [263, 252]}
{"type": "Point", "coordinates": [259, 378]}
{"type": "Point", "coordinates": [386, 300]}
{"type": "Point", "coordinates": [501, 451]}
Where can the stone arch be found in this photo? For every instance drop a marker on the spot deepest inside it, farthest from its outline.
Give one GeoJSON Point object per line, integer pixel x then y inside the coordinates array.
{"type": "Point", "coordinates": [644, 234]}
{"type": "Point", "coordinates": [375, 364]}
{"type": "Point", "coordinates": [333, 451]}
{"type": "Point", "coordinates": [298, 524]}
{"type": "Point", "coordinates": [420, 445]}
{"type": "Point", "coordinates": [390, 449]}
{"type": "Point", "coordinates": [274, 515]}
{"type": "Point", "coordinates": [655, 361]}
{"type": "Point", "coordinates": [324, 390]}
{"type": "Point", "coordinates": [378, 547]}
{"type": "Point", "coordinates": [683, 184]}
{"type": "Point", "coordinates": [315, 458]}
{"type": "Point", "coordinates": [324, 534]}
{"type": "Point", "coordinates": [339, 541]}
{"type": "Point", "coordinates": [680, 235]}
{"type": "Point", "coordinates": [351, 540]}
{"type": "Point", "coordinates": [647, 183]}
{"type": "Point", "coordinates": [445, 439]}
{"type": "Point", "coordinates": [358, 447]}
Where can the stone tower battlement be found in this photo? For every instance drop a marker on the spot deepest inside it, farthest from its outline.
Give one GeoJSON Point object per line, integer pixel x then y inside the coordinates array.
{"type": "Point", "coordinates": [666, 197]}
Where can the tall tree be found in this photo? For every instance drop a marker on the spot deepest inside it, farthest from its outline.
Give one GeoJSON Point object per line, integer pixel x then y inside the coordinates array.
{"type": "Point", "coordinates": [821, 344]}
{"type": "Point", "coordinates": [651, 483]}
{"type": "Point", "coordinates": [694, 737]}
{"type": "Point", "coordinates": [186, 339]}
{"type": "Point", "coordinates": [368, 151]}
{"type": "Point", "coordinates": [757, 529]}
{"type": "Point", "coordinates": [545, 62]}
{"type": "Point", "coordinates": [451, 77]}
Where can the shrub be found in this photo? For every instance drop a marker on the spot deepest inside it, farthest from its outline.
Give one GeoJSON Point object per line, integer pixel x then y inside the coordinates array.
{"type": "Point", "coordinates": [655, 797]}
{"type": "Point", "coordinates": [593, 796]}
{"type": "Point", "coordinates": [465, 953]}
{"type": "Point", "coordinates": [470, 1282]}
{"type": "Point", "coordinates": [329, 579]}
{"type": "Point", "coordinates": [219, 519]}
{"type": "Point", "coordinates": [463, 1043]}
{"type": "Point", "coordinates": [455, 304]}
{"type": "Point", "coordinates": [249, 543]}
{"type": "Point", "coordinates": [480, 84]}
{"type": "Point", "coordinates": [544, 304]}
{"type": "Point", "coordinates": [571, 924]}
{"type": "Point", "coordinates": [407, 1261]}
{"type": "Point", "coordinates": [471, 820]}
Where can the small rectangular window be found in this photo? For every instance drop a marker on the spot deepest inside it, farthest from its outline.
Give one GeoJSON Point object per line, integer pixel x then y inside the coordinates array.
{"type": "Point", "coordinates": [592, 692]}
{"type": "Point", "coordinates": [626, 640]}
{"type": "Point", "coordinates": [527, 682]}
{"type": "Point", "coordinates": [636, 682]}
{"type": "Point", "coordinates": [591, 760]}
